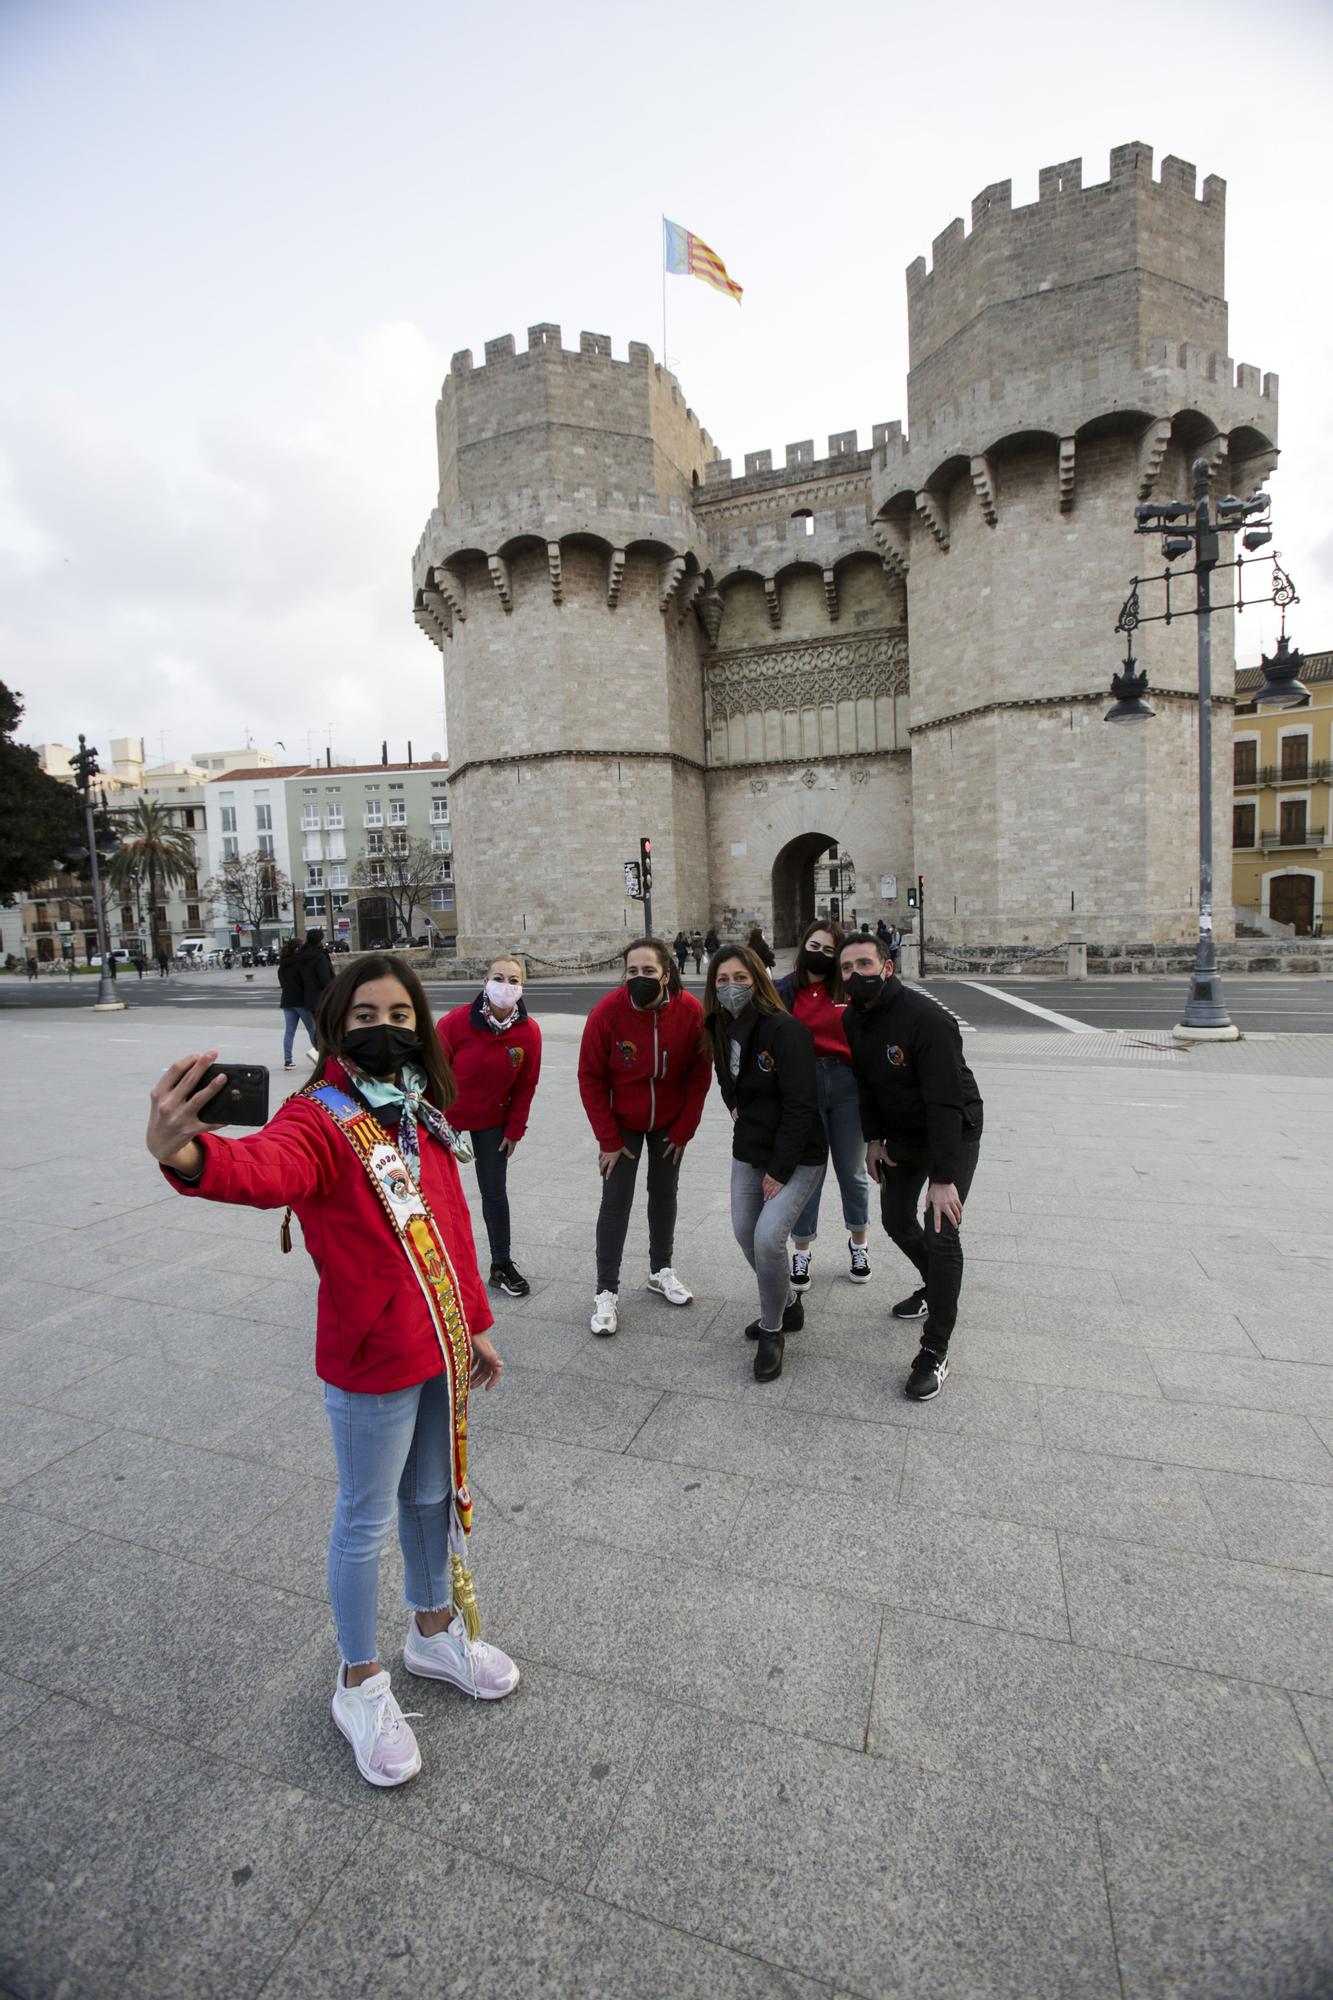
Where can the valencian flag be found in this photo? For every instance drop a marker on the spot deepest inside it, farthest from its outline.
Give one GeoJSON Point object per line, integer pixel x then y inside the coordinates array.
{"type": "Point", "coordinates": [689, 257]}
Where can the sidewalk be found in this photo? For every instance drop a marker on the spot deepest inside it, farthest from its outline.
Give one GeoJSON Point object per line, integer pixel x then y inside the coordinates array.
{"type": "Point", "coordinates": [1028, 1691]}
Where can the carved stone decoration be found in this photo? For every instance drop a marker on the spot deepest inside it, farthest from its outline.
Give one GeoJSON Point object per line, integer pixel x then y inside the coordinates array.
{"type": "Point", "coordinates": [673, 571]}
{"type": "Point", "coordinates": [809, 676]}
{"type": "Point", "coordinates": [499, 570]}
{"type": "Point", "coordinates": [893, 547]}
{"type": "Point", "coordinates": [689, 592]}
{"type": "Point", "coordinates": [759, 786]}
{"type": "Point", "coordinates": [439, 610]}
{"type": "Point", "coordinates": [1152, 450]}
{"type": "Point", "coordinates": [553, 565]}
{"type": "Point", "coordinates": [431, 626]}
{"type": "Point", "coordinates": [774, 603]}
{"type": "Point", "coordinates": [1214, 451]}
{"type": "Point", "coordinates": [710, 607]}
{"type": "Point", "coordinates": [860, 776]}
{"type": "Point", "coordinates": [934, 513]}
{"type": "Point", "coordinates": [1066, 475]}
{"type": "Point", "coordinates": [1249, 474]}
{"type": "Point", "coordinates": [831, 595]}
{"type": "Point", "coordinates": [451, 589]}
{"type": "Point", "coordinates": [809, 779]}
{"type": "Point", "coordinates": [615, 576]}
{"type": "Point", "coordinates": [983, 482]}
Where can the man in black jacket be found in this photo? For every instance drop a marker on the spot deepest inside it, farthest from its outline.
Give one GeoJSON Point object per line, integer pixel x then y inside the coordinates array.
{"type": "Point", "coordinates": [921, 1114]}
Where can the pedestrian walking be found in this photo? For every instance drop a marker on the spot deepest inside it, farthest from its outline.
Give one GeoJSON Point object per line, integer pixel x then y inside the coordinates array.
{"type": "Point", "coordinates": [364, 1156]}
{"type": "Point", "coordinates": [163, 962]}
{"type": "Point", "coordinates": [494, 1048]}
{"type": "Point", "coordinates": [762, 949]}
{"type": "Point", "coordinates": [921, 1115]}
{"type": "Point", "coordinates": [644, 1072]}
{"type": "Point", "coordinates": [31, 968]}
{"type": "Point", "coordinates": [316, 970]}
{"type": "Point", "coordinates": [680, 945]}
{"type": "Point", "coordinates": [711, 942]}
{"type": "Point", "coordinates": [140, 964]}
{"type": "Point", "coordinates": [696, 952]}
{"type": "Point", "coordinates": [812, 992]}
{"type": "Point", "coordinates": [765, 1061]}
{"type": "Point", "coordinates": [291, 998]}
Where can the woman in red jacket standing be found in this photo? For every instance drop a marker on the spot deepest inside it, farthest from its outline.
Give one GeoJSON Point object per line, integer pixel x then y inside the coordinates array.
{"type": "Point", "coordinates": [495, 1050]}
{"type": "Point", "coordinates": [644, 1072]}
{"type": "Point", "coordinates": [364, 1157]}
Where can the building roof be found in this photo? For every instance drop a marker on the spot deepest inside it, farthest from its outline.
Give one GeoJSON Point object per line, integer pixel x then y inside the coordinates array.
{"type": "Point", "coordinates": [319, 771]}
{"type": "Point", "coordinates": [1317, 667]}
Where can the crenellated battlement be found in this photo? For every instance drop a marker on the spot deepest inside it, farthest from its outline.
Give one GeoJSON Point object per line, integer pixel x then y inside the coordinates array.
{"type": "Point", "coordinates": [545, 348]}
{"type": "Point", "coordinates": [799, 467]}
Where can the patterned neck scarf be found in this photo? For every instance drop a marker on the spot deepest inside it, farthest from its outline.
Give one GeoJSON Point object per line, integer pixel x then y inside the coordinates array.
{"type": "Point", "coordinates": [492, 1019]}
{"type": "Point", "coordinates": [405, 1102]}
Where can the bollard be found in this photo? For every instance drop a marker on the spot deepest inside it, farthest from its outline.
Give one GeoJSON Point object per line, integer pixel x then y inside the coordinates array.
{"type": "Point", "coordinates": [909, 959]}
{"type": "Point", "coordinates": [1078, 958]}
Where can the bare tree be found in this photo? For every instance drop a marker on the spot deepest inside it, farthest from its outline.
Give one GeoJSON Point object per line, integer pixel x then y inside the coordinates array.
{"type": "Point", "coordinates": [406, 875]}
{"type": "Point", "coordinates": [253, 887]}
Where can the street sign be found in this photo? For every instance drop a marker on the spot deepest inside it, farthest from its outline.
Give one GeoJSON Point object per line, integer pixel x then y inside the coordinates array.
{"type": "Point", "coordinates": [633, 881]}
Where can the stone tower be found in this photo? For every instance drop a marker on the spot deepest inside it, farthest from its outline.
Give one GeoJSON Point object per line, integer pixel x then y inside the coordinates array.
{"type": "Point", "coordinates": [810, 682]}
{"type": "Point", "coordinates": [557, 573]}
{"type": "Point", "coordinates": [1068, 359]}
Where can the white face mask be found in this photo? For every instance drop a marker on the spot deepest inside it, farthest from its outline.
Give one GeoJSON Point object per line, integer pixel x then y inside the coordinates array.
{"type": "Point", "coordinates": [503, 994]}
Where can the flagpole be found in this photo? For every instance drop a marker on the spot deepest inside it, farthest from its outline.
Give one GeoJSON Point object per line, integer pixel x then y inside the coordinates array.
{"type": "Point", "coordinates": [664, 279]}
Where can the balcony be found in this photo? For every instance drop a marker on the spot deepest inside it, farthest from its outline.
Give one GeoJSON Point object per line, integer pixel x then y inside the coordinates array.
{"type": "Point", "coordinates": [1319, 772]}
{"type": "Point", "coordinates": [1312, 836]}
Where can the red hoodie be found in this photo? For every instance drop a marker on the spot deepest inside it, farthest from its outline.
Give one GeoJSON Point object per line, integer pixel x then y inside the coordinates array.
{"type": "Point", "coordinates": [645, 1070]}
{"type": "Point", "coordinates": [496, 1074]}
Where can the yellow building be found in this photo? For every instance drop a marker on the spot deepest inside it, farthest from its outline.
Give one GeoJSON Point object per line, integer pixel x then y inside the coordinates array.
{"type": "Point", "coordinates": [1282, 820]}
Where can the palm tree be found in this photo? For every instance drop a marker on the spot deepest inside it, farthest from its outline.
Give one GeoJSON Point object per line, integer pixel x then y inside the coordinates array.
{"type": "Point", "coordinates": [153, 848]}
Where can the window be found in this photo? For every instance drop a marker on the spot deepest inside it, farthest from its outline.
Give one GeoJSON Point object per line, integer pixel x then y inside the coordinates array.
{"type": "Point", "coordinates": [192, 915]}
{"type": "Point", "coordinates": [1242, 825]}
{"type": "Point", "coordinates": [443, 897]}
{"type": "Point", "coordinates": [310, 819]}
{"type": "Point", "coordinates": [310, 791]}
{"type": "Point", "coordinates": [193, 815]}
{"type": "Point", "coordinates": [229, 819]}
{"type": "Point", "coordinates": [1246, 757]}
{"type": "Point", "coordinates": [398, 841]}
{"type": "Point", "coordinates": [231, 848]}
{"type": "Point", "coordinates": [192, 884]}
{"type": "Point", "coordinates": [314, 907]}
{"type": "Point", "coordinates": [333, 817]}
{"type": "Point", "coordinates": [340, 902]}
{"type": "Point", "coordinates": [377, 874]}
{"type": "Point", "coordinates": [397, 812]}
{"type": "Point", "coordinates": [314, 875]}
{"type": "Point", "coordinates": [1292, 822]}
{"type": "Point", "coordinates": [264, 819]}
{"type": "Point", "coordinates": [439, 812]}
{"type": "Point", "coordinates": [441, 840]}
{"type": "Point", "coordinates": [374, 814]}
{"type": "Point", "coordinates": [375, 843]}
{"type": "Point", "coordinates": [1296, 757]}
{"type": "Point", "coordinates": [338, 875]}
{"type": "Point", "coordinates": [265, 845]}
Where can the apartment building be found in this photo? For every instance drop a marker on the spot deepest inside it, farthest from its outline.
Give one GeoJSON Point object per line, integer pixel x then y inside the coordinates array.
{"type": "Point", "coordinates": [1282, 815]}
{"type": "Point", "coordinates": [356, 833]}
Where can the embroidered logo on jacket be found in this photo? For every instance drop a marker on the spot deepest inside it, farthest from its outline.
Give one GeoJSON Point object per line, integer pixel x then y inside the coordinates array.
{"type": "Point", "coordinates": [626, 1052]}
{"type": "Point", "coordinates": [515, 1056]}
{"type": "Point", "coordinates": [765, 1062]}
{"type": "Point", "coordinates": [897, 1057]}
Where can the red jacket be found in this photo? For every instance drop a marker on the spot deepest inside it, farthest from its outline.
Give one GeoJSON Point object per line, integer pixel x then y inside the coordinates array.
{"type": "Point", "coordinates": [496, 1074]}
{"type": "Point", "coordinates": [644, 1070]}
{"type": "Point", "coordinates": [373, 1332]}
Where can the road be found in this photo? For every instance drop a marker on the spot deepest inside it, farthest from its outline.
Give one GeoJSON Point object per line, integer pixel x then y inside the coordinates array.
{"type": "Point", "coordinates": [1291, 1005]}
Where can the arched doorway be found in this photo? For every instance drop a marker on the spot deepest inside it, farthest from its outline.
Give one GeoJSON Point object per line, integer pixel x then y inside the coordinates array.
{"type": "Point", "coordinates": [812, 877]}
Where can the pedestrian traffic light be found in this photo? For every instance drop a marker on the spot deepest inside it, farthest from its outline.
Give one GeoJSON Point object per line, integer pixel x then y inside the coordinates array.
{"type": "Point", "coordinates": [921, 888]}
{"type": "Point", "coordinates": [911, 896]}
{"type": "Point", "coordinates": [646, 866]}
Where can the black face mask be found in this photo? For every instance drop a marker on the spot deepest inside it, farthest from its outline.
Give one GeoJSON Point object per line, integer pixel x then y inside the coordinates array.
{"type": "Point", "coordinates": [643, 989]}
{"type": "Point", "coordinates": [381, 1051]}
{"type": "Point", "coordinates": [819, 963]}
{"type": "Point", "coordinates": [862, 987]}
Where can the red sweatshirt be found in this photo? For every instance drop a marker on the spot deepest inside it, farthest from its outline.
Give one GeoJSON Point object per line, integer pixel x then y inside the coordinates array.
{"type": "Point", "coordinates": [496, 1074]}
{"type": "Point", "coordinates": [812, 1005]}
{"type": "Point", "coordinates": [645, 1070]}
{"type": "Point", "coordinates": [373, 1332]}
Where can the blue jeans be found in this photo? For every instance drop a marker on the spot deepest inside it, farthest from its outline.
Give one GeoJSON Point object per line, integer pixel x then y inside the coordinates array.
{"type": "Point", "coordinates": [392, 1448]}
{"type": "Point", "coordinates": [840, 1109]}
{"type": "Point", "coordinates": [291, 1015]}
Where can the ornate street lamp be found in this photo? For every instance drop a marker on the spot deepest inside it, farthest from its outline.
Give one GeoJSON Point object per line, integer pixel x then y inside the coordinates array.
{"type": "Point", "coordinates": [1283, 687]}
{"type": "Point", "coordinates": [1129, 688]}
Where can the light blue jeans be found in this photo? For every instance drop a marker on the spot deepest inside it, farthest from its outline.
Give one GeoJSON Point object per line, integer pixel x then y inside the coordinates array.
{"type": "Point", "coordinates": [762, 1228]}
{"type": "Point", "coordinates": [291, 1015]}
{"type": "Point", "coordinates": [390, 1449]}
{"type": "Point", "coordinates": [840, 1109]}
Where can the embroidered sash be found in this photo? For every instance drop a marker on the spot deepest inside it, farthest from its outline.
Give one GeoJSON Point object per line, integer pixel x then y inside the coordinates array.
{"type": "Point", "coordinates": [431, 1266]}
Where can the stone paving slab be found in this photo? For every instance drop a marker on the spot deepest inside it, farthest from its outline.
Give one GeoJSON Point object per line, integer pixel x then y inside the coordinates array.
{"type": "Point", "coordinates": [1022, 1691]}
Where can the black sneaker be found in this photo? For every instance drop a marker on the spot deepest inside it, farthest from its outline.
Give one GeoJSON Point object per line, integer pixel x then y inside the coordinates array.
{"type": "Point", "coordinates": [929, 1372]}
{"type": "Point", "coordinates": [510, 1279]}
{"type": "Point", "coordinates": [768, 1357]}
{"type": "Point", "coordinates": [860, 1270]}
{"type": "Point", "coordinates": [793, 1319]}
{"type": "Point", "coordinates": [800, 1270]}
{"type": "Point", "coordinates": [913, 1308]}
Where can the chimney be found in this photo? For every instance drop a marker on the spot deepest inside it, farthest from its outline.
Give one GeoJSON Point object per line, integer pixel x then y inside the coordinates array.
{"type": "Point", "coordinates": [384, 752]}
{"type": "Point", "coordinates": [328, 759]}
{"type": "Point", "coordinates": [409, 753]}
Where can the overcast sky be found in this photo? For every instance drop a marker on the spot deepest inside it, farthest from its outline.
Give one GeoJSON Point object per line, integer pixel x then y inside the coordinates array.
{"type": "Point", "coordinates": [241, 241]}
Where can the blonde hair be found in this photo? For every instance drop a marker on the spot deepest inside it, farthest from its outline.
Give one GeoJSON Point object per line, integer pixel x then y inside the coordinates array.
{"type": "Point", "coordinates": [508, 958]}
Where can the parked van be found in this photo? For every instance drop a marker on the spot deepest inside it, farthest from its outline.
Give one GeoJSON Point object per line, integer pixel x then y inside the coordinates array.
{"type": "Point", "coordinates": [192, 950]}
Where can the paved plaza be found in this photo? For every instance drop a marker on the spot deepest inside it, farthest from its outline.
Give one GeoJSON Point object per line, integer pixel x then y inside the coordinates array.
{"type": "Point", "coordinates": [1024, 1692]}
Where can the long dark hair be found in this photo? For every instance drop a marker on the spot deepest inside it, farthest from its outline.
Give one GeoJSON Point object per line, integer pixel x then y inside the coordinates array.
{"type": "Point", "coordinates": [833, 979]}
{"type": "Point", "coordinates": [666, 958]}
{"type": "Point", "coordinates": [765, 999]}
{"type": "Point", "coordinates": [337, 997]}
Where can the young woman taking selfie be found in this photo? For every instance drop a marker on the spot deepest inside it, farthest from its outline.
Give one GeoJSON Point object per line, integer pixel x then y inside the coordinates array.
{"type": "Point", "coordinates": [364, 1156]}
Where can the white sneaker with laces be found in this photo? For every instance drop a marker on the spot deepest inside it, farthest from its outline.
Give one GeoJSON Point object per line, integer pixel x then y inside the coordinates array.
{"type": "Point", "coordinates": [668, 1286]}
{"type": "Point", "coordinates": [384, 1747]}
{"type": "Point", "coordinates": [480, 1670]}
{"type": "Point", "coordinates": [605, 1318]}
{"type": "Point", "coordinates": [860, 1268]}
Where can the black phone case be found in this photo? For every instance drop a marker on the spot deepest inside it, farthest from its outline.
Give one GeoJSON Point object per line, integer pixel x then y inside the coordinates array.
{"type": "Point", "coordinates": [245, 1099]}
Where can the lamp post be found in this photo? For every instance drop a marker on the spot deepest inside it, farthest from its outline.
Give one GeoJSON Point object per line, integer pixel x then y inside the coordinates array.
{"type": "Point", "coordinates": [1189, 526]}
{"type": "Point", "coordinates": [85, 770]}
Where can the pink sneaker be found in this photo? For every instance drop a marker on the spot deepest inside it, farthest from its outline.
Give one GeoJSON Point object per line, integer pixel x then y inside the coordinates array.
{"type": "Point", "coordinates": [385, 1749]}
{"type": "Point", "coordinates": [480, 1670]}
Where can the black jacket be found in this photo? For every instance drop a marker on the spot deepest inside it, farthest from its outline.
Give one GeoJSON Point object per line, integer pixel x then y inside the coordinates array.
{"type": "Point", "coordinates": [917, 1093]}
{"type": "Point", "coordinates": [316, 972]}
{"type": "Point", "coordinates": [291, 984]}
{"type": "Point", "coordinates": [778, 1127]}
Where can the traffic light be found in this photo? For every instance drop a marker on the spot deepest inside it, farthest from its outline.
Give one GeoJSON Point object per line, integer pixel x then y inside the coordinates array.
{"type": "Point", "coordinates": [921, 888]}
{"type": "Point", "coordinates": [84, 765]}
{"type": "Point", "coordinates": [911, 896]}
{"type": "Point", "coordinates": [646, 866]}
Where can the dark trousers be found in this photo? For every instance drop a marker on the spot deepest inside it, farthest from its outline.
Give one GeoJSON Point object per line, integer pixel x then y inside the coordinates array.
{"type": "Point", "coordinates": [618, 1199]}
{"type": "Point", "coordinates": [936, 1253]}
{"type": "Point", "coordinates": [492, 1166]}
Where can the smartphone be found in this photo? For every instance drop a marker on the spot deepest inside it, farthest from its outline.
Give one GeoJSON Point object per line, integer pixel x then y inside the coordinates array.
{"type": "Point", "coordinates": [245, 1099]}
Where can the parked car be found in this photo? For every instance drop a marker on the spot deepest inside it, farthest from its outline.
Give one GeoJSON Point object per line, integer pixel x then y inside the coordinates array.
{"type": "Point", "coordinates": [119, 952]}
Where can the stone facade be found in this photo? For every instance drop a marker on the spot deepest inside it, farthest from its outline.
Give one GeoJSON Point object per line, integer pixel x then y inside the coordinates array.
{"type": "Point", "coordinates": [900, 652]}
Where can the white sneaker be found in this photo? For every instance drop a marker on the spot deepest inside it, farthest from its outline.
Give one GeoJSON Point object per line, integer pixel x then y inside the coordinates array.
{"type": "Point", "coordinates": [384, 1747]}
{"type": "Point", "coordinates": [480, 1670]}
{"type": "Point", "coordinates": [312, 1055]}
{"type": "Point", "coordinates": [605, 1319]}
{"type": "Point", "coordinates": [668, 1286]}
